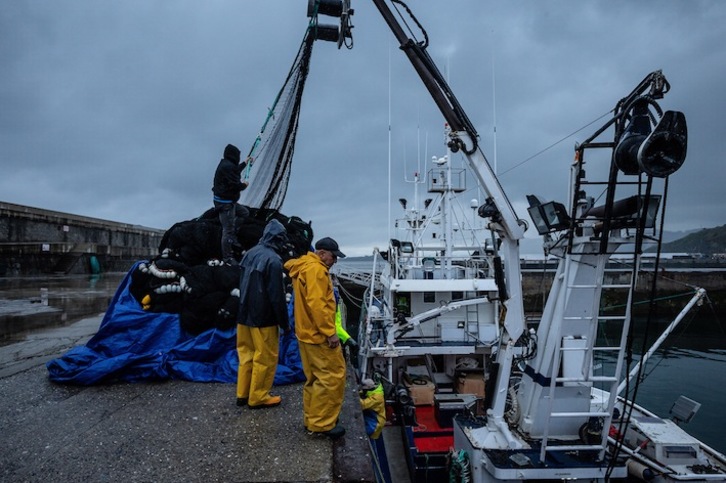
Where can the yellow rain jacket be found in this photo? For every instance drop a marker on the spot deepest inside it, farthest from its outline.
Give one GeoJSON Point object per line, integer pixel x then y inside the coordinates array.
{"type": "Point", "coordinates": [339, 329]}
{"type": "Point", "coordinates": [374, 404]}
{"type": "Point", "coordinates": [314, 301]}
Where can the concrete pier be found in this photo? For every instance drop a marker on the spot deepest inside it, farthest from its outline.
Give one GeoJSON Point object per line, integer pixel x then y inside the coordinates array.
{"type": "Point", "coordinates": [168, 431]}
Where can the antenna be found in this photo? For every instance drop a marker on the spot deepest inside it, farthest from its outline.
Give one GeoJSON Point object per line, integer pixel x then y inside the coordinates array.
{"type": "Point", "coordinates": [494, 105]}
{"type": "Point", "coordinates": [389, 141]}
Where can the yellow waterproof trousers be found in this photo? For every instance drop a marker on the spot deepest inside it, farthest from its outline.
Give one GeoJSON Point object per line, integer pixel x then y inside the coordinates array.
{"type": "Point", "coordinates": [324, 387]}
{"type": "Point", "coordinates": [257, 348]}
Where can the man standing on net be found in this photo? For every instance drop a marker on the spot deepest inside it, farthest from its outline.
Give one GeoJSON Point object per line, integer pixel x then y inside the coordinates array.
{"type": "Point", "coordinates": [227, 187]}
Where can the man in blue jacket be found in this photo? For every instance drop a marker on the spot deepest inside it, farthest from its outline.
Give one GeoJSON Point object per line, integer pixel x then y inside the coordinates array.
{"type": "Point", "coordinates": [262, 309]}
{"type": "Point", "coordinates": [227, 187]}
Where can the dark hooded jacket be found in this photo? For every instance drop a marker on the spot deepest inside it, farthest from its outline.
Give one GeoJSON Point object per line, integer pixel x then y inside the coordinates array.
{"type": "Point", "coordinates": [227, 182]}
{"type": "Point", "coordinates": [262, 292]}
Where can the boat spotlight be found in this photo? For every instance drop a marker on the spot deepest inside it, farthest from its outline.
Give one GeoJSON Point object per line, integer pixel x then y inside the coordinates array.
{"type": "Point", "coordinates": [341, 34]}
{"type": "Point", "coordinates": [547, 216]}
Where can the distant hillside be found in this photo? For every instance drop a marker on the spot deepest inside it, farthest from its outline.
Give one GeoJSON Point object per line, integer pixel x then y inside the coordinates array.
{"type": "Point", "coordinates": [706, 241]}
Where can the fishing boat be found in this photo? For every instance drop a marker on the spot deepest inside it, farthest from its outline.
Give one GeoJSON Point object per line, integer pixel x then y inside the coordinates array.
{"type": "Point", "coordinates": [474, 388]}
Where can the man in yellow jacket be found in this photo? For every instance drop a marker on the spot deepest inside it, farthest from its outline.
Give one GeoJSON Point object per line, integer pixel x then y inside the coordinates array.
{"type": "Point", "coordinates": [320, 351]}
{"type": "Point", "coordinates": [373, 403]}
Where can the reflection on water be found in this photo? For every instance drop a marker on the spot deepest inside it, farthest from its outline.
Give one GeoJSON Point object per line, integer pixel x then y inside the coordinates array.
{"type": "Point", "coordinates": [30, 303]}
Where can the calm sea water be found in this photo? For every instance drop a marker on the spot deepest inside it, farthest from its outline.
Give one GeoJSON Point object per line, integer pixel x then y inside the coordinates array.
{"type": "Point", "coordinates": [696, 374]}
{"type": "Point", "coordinates": [691, 362]}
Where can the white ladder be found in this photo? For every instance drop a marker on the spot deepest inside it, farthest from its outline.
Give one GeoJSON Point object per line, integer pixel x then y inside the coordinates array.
{"type": "Point", "coordinates": [585, 349]}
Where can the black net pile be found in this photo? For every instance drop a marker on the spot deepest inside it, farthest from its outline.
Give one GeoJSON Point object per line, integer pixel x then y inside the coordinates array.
{"type": "Point", "coordinates": [273, 149]}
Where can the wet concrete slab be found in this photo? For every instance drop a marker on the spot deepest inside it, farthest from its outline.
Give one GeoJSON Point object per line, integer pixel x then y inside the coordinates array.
{"type": "Point", "coordinates": [167, 431]}
{"type": "Point", "coordinates": [36, 347]}
{"type": "Point", "coordinates": [28, 304]}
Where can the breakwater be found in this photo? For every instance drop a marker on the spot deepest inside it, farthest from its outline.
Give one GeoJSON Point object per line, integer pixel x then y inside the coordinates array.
{"type": "Point", "coordinates": [671, 288]}
{"type": "Point", "coordinates": [36, 241]}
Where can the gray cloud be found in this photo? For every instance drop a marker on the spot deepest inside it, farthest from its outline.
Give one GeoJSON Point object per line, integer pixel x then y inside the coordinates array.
{"type": "Point", "coordinates": [120, 110]}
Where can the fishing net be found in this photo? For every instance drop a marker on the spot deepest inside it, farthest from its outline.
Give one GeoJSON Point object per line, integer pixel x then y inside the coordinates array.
{"type": "Point", "coordinates": [269, 172]}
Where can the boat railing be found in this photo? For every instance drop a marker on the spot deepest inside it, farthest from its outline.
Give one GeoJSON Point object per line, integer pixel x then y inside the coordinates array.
{"type": "Point", "coordinates": [416, 266]}
{"type": "Point", "coordinates": [356, 275]}
{"type": "Point", "coordinates": [443, 179]}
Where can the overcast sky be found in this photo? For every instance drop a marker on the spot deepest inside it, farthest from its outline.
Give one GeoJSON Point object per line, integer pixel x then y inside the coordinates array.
{"type": "Point", "coordinates": [121, 110]}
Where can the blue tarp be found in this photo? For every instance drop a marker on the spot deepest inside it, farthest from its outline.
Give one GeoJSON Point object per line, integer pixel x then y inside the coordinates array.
{"type": "Point", "coordinates": [134, 345]}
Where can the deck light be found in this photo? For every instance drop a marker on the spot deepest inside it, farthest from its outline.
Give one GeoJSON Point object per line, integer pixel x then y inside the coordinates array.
{"type": "Point", "coordinates": [684, 409]}
{"type": "Point", "coordinates": [547, 216]}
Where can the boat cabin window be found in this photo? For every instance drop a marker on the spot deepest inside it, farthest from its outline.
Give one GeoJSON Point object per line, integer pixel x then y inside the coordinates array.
{"type": "Point", "coordinates": [679, 451]}
{"type": "Point", "coordinates": [457, 295]}
{"type": "Point", "coordinates": [429, 297]}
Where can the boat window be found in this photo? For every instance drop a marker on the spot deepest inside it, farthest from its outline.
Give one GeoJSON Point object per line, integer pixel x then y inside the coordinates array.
{"type": "Point", "coordinates": [406, 247]}
{"type": "Point", "coordinates": [457, 295]}
{"type": "Point", "coordinates": [429, 297]}
{"type": "Point", "coordinates": [681, 451]}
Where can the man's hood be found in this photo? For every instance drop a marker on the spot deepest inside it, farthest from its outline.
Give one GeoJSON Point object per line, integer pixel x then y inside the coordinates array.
{"type": "Point", "coordinates": [274, 236]}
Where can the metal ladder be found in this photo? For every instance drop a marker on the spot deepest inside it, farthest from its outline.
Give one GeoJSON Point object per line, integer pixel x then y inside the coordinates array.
{"type": "Point", "coordinates": [472, 322]}
{"type": "Point", "coordinates": [589, 350]}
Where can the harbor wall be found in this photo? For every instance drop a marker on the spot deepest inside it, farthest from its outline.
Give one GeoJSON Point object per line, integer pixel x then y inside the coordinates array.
{"type": "Point", "coordinates": [36, 241]}
{"type": "Point", "coordinates": [673, 287]}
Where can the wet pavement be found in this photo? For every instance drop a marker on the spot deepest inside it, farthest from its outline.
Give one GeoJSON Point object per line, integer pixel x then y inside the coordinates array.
{"type": "Point", "coordinates": [157, 432]}
{"type": "Point", "coordinates": [30, 303]}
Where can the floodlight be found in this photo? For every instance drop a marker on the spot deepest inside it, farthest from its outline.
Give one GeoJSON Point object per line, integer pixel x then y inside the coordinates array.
{"type": "Point", "coordinates": [684, 409]}
{"type": "Point", "coordinates": [547, 216]}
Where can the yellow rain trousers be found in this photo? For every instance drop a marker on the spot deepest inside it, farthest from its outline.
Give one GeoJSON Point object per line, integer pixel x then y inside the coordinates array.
{"type": "Point", "coordinates": [324, 387]}
{"type": "Point", "coordinates": [257, 348]}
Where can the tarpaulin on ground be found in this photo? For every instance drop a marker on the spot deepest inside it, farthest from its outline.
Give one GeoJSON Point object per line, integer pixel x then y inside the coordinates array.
{"type": "Point", "coordinates": [135, 345]}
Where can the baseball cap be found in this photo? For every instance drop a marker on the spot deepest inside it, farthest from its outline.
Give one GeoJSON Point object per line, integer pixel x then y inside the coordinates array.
{"type": "Point", "coordinates": [330, 245]}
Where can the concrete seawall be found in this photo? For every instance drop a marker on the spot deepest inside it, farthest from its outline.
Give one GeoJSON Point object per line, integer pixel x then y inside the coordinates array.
{"type": "Point", "coordinates": [36, 241]}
